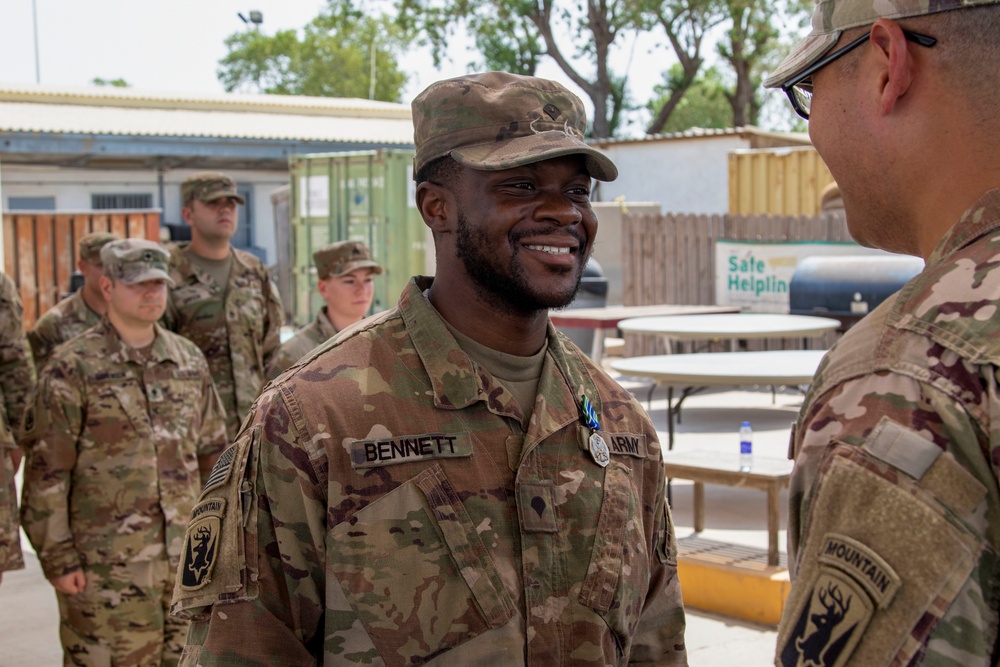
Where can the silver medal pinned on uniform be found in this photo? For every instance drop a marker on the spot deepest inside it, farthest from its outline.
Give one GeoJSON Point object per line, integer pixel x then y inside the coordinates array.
{"type": "Point", "coordinates": [599, 450]}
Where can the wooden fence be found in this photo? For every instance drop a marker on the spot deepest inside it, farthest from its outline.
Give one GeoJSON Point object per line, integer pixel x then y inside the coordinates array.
{"type": "Point", "coordinates": [671, 258]}
{"type": "Point", "coordinates": [41, 253]}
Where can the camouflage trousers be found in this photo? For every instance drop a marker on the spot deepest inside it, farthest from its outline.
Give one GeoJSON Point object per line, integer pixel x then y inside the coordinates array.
{"type": "Point", "coordinates": [122, 618]}
{"type": "Point", "coordinates": [10, 536]}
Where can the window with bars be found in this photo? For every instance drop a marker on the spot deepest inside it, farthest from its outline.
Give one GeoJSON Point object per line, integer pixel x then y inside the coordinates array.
{"type": "Point", "coordinates": [121, 200]}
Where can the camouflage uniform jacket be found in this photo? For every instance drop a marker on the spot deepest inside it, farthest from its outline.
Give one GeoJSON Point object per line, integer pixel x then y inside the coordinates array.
{"type": "Point", "coordinates": [17, 382]}
{"type": "Point", "coordinates": [117, 450]}
{"type": "Point", "coordinates": [383, 506]}
{"type": "Point", "coordinates": [68, 318]}
{"type": "Point", "coordinates": [237, 326]}
{"type": "Point", "coordinates": [301, 344]}
{"type": "Point", "coordinates": [894, 522]}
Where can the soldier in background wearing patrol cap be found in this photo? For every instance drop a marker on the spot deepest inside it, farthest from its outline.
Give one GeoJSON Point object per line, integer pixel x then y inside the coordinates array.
{"type": "Point", "coordinates": [345, 275]}
{"type": "Point", "coordinates": [451, 482]}
{"type": "Point", "coordinates": [79, 311]}
{"type": "Point", "coordinates": [894, 519]}
{"type": "Point", "coordinates": [222, 298]}
{"type": "Point", "coordinates": [125, 427]}
{"type": "Point", "coordinates": [17, 382]}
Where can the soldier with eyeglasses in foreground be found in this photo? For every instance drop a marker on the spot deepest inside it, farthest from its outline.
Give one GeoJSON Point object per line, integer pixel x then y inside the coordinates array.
{"type": "Point", "coordinates": [894, 521]}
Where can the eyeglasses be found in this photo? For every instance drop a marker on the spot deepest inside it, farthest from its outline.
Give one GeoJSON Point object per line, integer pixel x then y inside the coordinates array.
{"type": "Point", "coordinates": [799, 89]}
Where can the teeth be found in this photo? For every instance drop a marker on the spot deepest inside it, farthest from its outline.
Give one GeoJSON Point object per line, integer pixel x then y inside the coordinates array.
{"type": "Point", "coordinates": [550, 249]}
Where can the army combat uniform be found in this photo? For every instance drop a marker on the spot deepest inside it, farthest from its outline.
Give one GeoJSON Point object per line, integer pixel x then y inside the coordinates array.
{"type": "Point", "coordinates": [383, 506]}
{"type": "Point", "coordinates": [236, 325]}
{"type": "Point", "coordinates": [120, 443]}
{"type": "Point", "coordinates": [302, 343]}
{"type": "Point", "coordinates": [17, 381]}
{"type": "Point", "coordinates": [67, 319]}
{"type": "Point", "coordinates": [894, 522]}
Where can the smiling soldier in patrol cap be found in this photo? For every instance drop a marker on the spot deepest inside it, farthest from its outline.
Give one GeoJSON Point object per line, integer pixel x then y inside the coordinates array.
{"type": "Point", "coordinates": [894, 521]}
{"type": "Point", "coordinates": [346, 281]}
{"type": "Point", "coordinates": [452, 482]}
{"type": "Point", "coordinates": [125, 426]}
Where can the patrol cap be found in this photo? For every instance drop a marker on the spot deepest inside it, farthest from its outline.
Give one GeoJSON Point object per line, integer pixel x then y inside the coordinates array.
{"type": "Point", "coordinates": [496, 120]}
{"type": "Point", "coordinates": [832, 17]}
{"type": "Point", "coordinates": [207, 186]}
{"type": "Point", "coordinates": [134, 261]}
{"type": "Point", "coordinates": [91, 244]}
{"type": "Point", "coordinates": [343, 257]}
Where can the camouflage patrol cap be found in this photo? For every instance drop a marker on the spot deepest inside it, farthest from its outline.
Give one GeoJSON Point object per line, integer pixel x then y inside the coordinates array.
{"type": "Point", "coordinates": [832, 17]}
{"type": "Point", "coordinates": [343, 257]}
{"type": "Point", "coordinates": [91, 244]}
{"type": "Point", "coordinates": [496, 120]}
{"type": "Point", "coordinates": [208, 186]}
{"type": "Point", "coordinates": [134, 261]}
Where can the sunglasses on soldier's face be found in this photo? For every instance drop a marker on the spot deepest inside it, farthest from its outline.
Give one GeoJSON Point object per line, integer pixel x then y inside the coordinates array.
{"type": "Point", "coordinates": [799, 89]}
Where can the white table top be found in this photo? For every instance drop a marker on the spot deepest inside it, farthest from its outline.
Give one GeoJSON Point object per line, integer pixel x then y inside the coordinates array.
{"type": "Point", "coordinates": [718, 369]}
{"type": "Point", "coordinates": [732, 325]}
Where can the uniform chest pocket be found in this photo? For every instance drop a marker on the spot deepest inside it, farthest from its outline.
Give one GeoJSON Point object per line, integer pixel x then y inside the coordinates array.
{"type": "Point", "coordinates": [416, 573]}
{"type": "Point", "coordinates": [246, 305]}
{"type": "Point", "coordinates": [618, 575]}
{"type": "Point", "coordinates": [175, 402]}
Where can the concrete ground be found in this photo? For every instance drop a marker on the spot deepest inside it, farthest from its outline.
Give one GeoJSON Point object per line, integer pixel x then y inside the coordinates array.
{"type": "Point", "coordinates": [709, 422]}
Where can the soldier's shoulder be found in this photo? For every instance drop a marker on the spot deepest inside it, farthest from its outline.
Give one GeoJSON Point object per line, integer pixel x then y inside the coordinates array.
{"type": "Point", "coordinates": [8, 289]}
{"type": "Point", "coordinates": [250, 260]}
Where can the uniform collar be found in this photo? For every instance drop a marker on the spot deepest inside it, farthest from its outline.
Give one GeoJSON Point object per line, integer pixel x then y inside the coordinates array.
{"type": "Point", "coordinates": [982, 218]}
{"type": "Point", "coordinates": [119, 352]}
{"type": "Point", "coordinates": [183, 269]}
{"type": "Point", "coordinates": [324, 325]}
{"type": "Point", "coordinates": [457, 382]}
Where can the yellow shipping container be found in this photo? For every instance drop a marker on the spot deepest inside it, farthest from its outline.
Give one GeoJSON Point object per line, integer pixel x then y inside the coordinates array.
{"type": "Point", "coordinates": [777, 181]}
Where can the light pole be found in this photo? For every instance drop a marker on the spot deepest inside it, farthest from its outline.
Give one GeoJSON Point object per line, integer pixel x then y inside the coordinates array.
{"type": "Point", "coordinates": [34, 21]}
{"type": "Point", "coordinates": [255, 17]}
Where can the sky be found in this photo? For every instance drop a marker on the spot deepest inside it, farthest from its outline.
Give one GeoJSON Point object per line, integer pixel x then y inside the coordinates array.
{"type": "Point", "coordinates": [175, 45]}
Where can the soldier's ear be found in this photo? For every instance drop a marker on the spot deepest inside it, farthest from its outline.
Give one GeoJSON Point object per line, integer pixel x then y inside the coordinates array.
{"type": "Point", "coordinates": [437, 206]}
{"type": "Point", "coordinates": [106, 284]}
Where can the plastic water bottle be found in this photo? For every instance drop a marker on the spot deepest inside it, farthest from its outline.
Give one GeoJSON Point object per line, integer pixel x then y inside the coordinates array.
{"type": "Point", "coordinates": [746, 447]}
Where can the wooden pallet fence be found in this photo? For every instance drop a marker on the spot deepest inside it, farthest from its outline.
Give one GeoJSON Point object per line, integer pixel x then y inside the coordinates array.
{"type": "Point", "coordinates": [41, 253]}
{"type": "Point", "coordinates": [670, 258]}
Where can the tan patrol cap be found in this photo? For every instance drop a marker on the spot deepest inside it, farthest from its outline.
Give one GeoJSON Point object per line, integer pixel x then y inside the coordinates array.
{"type": "Point", "coordinates": [496, 120]}
{"type": "Point", "coordinates": [207, 186]}
{"type": "Point", "coordinates": [135, 260]}
{"type": "Point", "coordinates": [91, 244]}
{"type": "Point", "coordinates": [343, 257]}
{"type": "Point", "coordinates": [832, 17]}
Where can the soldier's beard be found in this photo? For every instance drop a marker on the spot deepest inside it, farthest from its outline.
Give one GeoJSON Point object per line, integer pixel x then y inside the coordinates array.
{"type": "Point", "coordinates": [506, 288]}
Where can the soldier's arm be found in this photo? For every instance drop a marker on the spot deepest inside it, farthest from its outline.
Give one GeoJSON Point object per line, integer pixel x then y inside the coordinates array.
{"type": "Point", "coordinates": [55, 422]}
{"type": "Point", "coordinates": [275, 316]}
{"type": "Point", "coordinates": [659, 636]}
{"type": "Point", "coordinates": [268, 578]}
{"type": "Point", "coordinates": [17, 372]}
{"type": "Point", "coordinates": [40, 347]}
{"type": "Point", "coordinates": [888, 526]}
{"type": "Point", "coordinates": [212, 438]}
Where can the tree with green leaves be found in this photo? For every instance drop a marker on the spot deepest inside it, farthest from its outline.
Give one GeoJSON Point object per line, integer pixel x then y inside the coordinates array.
{"type": "Point", "coordinates": [512, 34]}
{"type": "Point", "coordinates": [114, 83]}
{"type": "Point", "coordinates": [341, 53]}
{"type": "Point", "coordinates": [748, 46]}
{"type": "Point", "coordinates": [704, 103]}
{"type": "Point", "coordinates": [686, 24]}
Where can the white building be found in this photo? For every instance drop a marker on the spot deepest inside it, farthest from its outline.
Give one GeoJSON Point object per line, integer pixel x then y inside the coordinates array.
{"type": "Point", "coordinates": [686, 172]}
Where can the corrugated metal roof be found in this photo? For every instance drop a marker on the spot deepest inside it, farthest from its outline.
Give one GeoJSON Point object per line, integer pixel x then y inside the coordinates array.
{"type": "Point", "coordinates": [705, 133]}
{"type": "Point", "coordinates": [115, 111]}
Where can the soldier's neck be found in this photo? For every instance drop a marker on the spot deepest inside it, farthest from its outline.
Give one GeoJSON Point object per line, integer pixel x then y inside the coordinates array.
{"type": "Point", "coordinates": [94, 300]}
{"type": "Point", "coordinates": [209, 249]}
{"type": "Point", "coordinates": [133, 334]}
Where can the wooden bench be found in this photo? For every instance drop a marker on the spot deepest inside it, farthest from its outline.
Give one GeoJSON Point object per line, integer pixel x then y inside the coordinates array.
{"type": "Point", "coordinates": [766, 474]}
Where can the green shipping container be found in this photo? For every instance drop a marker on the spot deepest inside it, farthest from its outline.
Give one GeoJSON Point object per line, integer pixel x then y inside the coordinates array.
{"type": "Point", "coordinates": [362, 196]}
